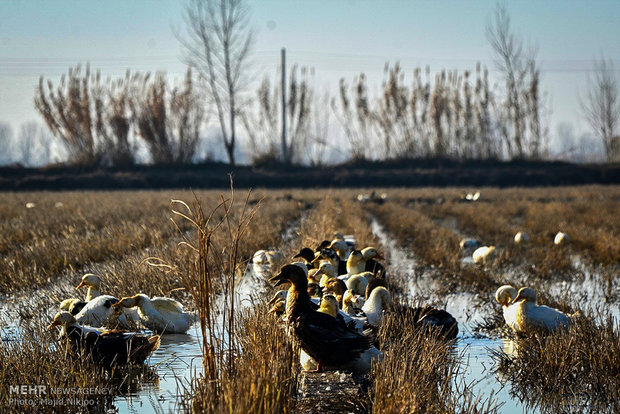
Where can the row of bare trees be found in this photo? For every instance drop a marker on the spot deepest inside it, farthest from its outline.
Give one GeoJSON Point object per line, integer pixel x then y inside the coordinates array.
{"type": "Point", "coordinates": [454, 115]}
{"type": "Point", "coordinates": [100, 121]}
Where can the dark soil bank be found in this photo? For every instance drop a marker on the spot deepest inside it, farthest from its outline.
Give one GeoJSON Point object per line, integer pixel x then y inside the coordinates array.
{"type": "Point", "coordinates": [410, 173]}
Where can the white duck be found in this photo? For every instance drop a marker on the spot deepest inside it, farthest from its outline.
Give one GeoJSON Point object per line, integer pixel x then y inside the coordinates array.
{"type": "Point", "coordinates": [100, 312]}
{"type": "Point", "coordinates": [378, 301]}
{"type": "Point", "coordinates": [164, 315]}
{"type": "Point", "coordinates": [483, 254]}
{"type": "Point", "coordinates": [561, 239]}
{"type": "Point", "coordinates": [99, 307]}
{"type": "Point", "coordinates": [530, 316]}
{"type": "Point", "coordinates": [505, 295]}
{"type": "Point", "coordinates": [521, 237]}
{"type": "Point", "coordinates": [357, 284]}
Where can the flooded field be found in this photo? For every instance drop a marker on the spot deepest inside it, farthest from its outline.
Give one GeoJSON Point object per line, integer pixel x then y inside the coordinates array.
{"type": "Point", "coordinates": [417, 230]}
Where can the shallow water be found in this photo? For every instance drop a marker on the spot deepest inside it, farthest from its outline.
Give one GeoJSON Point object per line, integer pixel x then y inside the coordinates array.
{"type": "Point", "coordinates": [478, 368]}
{"type": "Point", "coordinates": [173, 365]}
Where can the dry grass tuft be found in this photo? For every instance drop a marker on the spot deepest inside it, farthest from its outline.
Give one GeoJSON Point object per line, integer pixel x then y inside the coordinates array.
{"type": "Point", "coordinates": [417, 374]}
{"type": "Point", "coordinates": [36, 357]}
{"type": "Point", "coordinates": [247, 361]}
{"type": "Point", "coordinates": [568, 371]}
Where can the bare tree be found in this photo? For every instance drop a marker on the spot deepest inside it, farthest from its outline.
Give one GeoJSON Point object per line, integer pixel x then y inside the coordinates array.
{"type": "Point", "coordinates": [27, 142]}
{"type": "Point", "coordinates": [601, 106]}
{"type": "Point", "coordinates": [169, 121]}
{"type": "Point", "coordinates": [264, 123]}
{"type": "Point", "coordinates": [217, 44]}
{"type": "Point", "coordinates": [356, 117]}
{"type": "Point", "coordinates": [521, 111]}
{"type": "Point", "coordinates": [319, 129]}
{"type": "Point", "coordinates": [90, 117]}
{"type": "Point", "coordinates": [6, 143]}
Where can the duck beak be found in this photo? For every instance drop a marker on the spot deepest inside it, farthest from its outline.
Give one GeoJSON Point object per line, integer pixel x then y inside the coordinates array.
{"type": "Point", "coordinates": [51, 325]}
{"type": "Point", "coordinates": [280, 279]}
{"type": "Point", "coordinates": [297, 255]}
{"type": "Point", "coordinates": [81, 285]}
{"type": "Point", "coordinates": [380, 256]}
{"type": "Point", "coordinates": [272, 301]}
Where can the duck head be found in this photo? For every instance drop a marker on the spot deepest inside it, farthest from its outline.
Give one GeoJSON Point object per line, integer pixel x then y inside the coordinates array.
{"type": "Point", "coordinates": [280, 294]}
{"type": "Point", "coordinates": [380, 295]}
{"type": "Point", "coordinates": [63, 318]}
{"type": "Point", "coordinates": [525, 294]}
{"type": "Point", "coordinates": [326, 268]}
{"type": "Point", "coordinates": [340, 246]}
{"type": "Point", "coordinates": [306, 253]}
{"type": "Point", "coordinates": [322, 245]}
{"type": "Point", "coordinates": [349, 298]}
{"type": "Point", "coordinates": [374, 283]}
{"type": "Point", "coordinates": [314, 276]}
{"type": "Point", "coordinates": [336, 286]}
{"type": "Point", "coordinates": [293, 274]}
{"type": "Point", "coordinates": [90, 280]}
{"type": "Point", "coordinates": [279, 307]}
{"type": "Point", "coordinates": [505, 295]}
{"type": "Point", "coordinates": [131, 301]}
{"type": "Point", "coordinates": [326, 254]}
{"type": "Point", "coordinates": [314, 290]}
{"type": "Point", "coordinates": [355, 257]}
{"type": "Point", "coordinates": [329, 305]}
{"type": "Point", "coordinates": [371, 253]}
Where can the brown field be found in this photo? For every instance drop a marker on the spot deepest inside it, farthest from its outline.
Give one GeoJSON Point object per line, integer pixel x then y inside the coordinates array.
{"type": "Point", "coordinates": [135, 241]}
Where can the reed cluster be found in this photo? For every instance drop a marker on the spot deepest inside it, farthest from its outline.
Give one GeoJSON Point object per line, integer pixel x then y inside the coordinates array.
{"type": "Point", "coordinates": [247, 359]}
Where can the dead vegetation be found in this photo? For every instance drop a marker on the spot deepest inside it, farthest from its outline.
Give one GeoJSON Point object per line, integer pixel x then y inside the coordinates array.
{"type": "Point", "coordinates": [418, 373]}
{"type": "Point", "coordinates": [577, 370]}
{"type": "Point", "coordinates": [251, 364]}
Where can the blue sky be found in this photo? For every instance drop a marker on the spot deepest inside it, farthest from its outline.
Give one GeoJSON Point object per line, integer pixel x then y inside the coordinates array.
{"type": "Point", "coordinates": [337, 38]}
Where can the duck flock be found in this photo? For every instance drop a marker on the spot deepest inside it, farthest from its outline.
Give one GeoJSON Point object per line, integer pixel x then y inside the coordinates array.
{"type": "Point", "coordinates": [336, 302]}
{"type": "Point", "coordinates": [103, 327]}
{"type": "Point", "coordinates": [338, 297]}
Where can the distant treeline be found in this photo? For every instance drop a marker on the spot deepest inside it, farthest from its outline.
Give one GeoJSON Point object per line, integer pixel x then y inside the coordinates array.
{"type": "Point", "coordinates": [361, 174]}
{"type": "Point", "coordinates": [456, 116]}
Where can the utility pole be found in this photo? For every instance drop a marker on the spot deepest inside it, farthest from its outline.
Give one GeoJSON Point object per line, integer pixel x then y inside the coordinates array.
{"type": "Point", "coordinates": [284, 151]}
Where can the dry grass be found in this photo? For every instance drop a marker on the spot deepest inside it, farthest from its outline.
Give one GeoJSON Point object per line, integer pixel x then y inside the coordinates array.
{"type": "Point", "coordinates": [264, 376]}
{"type": "Point", "coordinates": [435, 246]}
{"type": "Point", "coordinates": [55, 367]}
{"type": "Point", "coordinates": [247, 359]}
{"type": "Point", "coordinates": [570, 371]}
{"type": "Point", "coordinates": [418, 373]}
